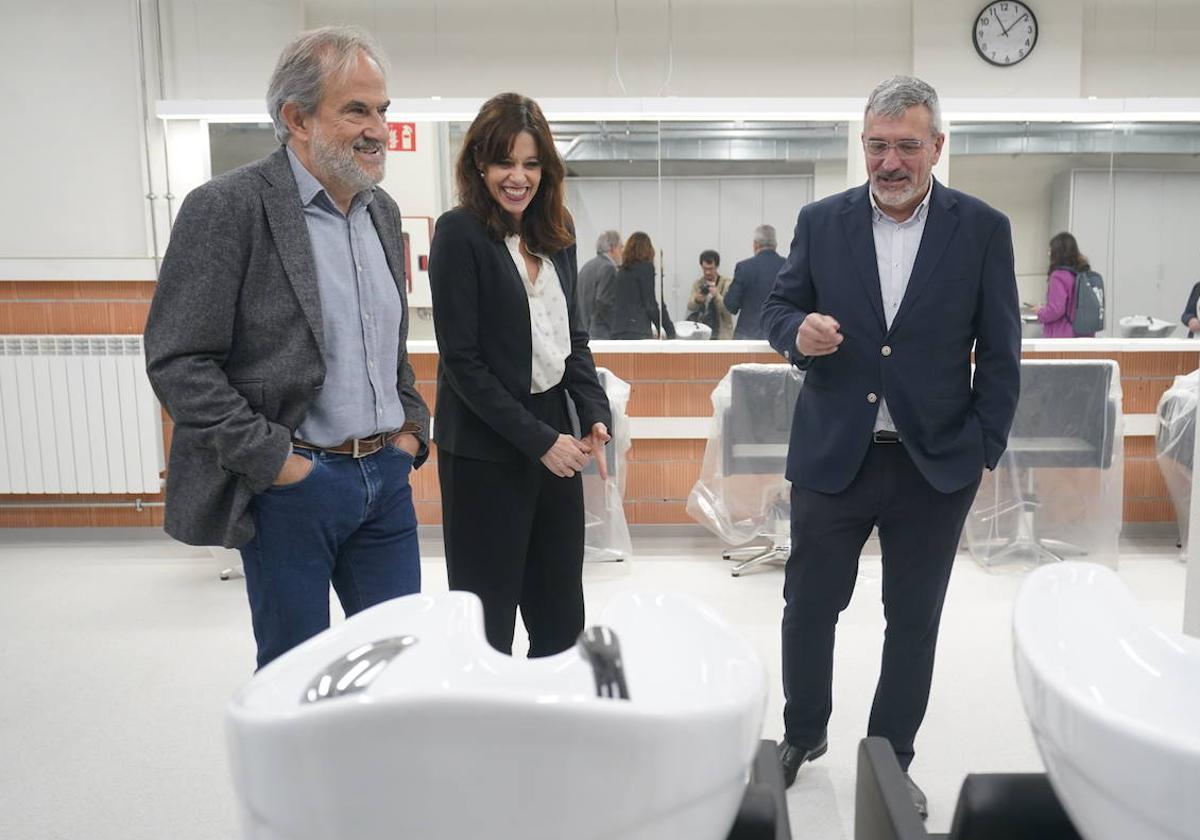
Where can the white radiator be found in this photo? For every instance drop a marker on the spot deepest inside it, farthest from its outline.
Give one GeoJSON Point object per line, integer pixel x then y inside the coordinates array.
{"type": "Point", "coordinates": [77, 415]}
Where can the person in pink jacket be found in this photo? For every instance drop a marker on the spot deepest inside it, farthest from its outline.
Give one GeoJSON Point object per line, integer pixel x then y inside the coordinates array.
{"type": "Point", "coordinates": [1065, 261]}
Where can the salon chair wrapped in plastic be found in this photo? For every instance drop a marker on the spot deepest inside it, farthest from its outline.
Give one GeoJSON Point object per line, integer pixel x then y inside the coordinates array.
{"type": "Point", "coordinates": [1174, 445]}
{"type": "Point", "coordinates": [1058, 490]}
{"type": "Point", "coordinates": [606, 532]}
{"type": "Point", "coordinates": [741, 494]}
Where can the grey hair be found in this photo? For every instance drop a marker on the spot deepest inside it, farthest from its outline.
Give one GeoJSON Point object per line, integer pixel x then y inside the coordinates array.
{"type": "Point", "coordinates": [764, 236]}
{"type": "Point", "coordinates": [309, 62]}
{"type": "Point", "coordinates": [606, 241]}
{"type": "Point", "coordinates": [893, 96]}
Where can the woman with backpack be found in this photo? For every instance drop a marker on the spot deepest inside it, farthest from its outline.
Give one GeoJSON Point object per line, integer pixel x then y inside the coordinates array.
{"type": "Point", "coordinates": [1065, 262]}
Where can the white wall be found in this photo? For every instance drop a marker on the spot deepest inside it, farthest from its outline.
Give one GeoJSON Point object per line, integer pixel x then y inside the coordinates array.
{"type": "Point", "coordinates": [1023, 187]}
{"type": "Point", "coordinates": [944, 53]}
{"type": "Point", "coordinates": [1135, 226]}
{"type": "Point", "coordinates": [71, 144]}
{"type": "Point", "coordinates": [1108, 48]}
{"type": "Point", "coordinates": [225, 49]}
{"type": "Point", "coordinates": [74, 182]}
{"type": "Point", "coordinates": [414, 178]}
{"type": "Point", "coordinates": [1149, 259]}
{"type": "Point", "coordinates": [1140, 48]}
{"type": "Point", "coordinates": [707, 48]}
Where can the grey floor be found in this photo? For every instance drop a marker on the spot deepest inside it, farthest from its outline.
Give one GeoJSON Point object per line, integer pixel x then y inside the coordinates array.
{"type": "Point", "coordinates": [119, 649]}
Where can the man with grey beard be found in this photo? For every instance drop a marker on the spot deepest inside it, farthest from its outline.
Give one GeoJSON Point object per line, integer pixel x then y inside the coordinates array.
{"type": "Point", "coordinates": [277, 342]}
{"type": "Point", "coordinates": [888, 289]}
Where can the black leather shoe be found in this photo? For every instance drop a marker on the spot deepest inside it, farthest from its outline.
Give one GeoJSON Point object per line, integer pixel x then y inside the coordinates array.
{"type": "Point", "coordinates": [791, 757]}
{"type": "Point", "coordinates": [918, 797]}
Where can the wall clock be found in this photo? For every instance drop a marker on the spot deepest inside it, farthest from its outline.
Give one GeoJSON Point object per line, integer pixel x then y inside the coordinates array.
{"type": "Point", "coordinates": [1005, 33]}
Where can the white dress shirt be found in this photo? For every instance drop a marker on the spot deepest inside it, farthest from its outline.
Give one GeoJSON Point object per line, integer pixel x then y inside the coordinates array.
{"type": "Point", "coordinates": [548, 325]}
{"type": "Point", "coordinates": [896, 245]}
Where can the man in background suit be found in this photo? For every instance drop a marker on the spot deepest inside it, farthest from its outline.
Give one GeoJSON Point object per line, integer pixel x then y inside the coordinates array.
{"type": "Point", "coordinates": [276, 341]}
{"type": "Point", "coordinates": [752, 282]}
{"type": "Point", "coordinates": [887, 289]}
{"type": "Point", "coordinates": [596, 292]}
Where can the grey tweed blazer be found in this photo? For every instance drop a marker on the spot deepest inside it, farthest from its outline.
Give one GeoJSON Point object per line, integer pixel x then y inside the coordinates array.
{"type": "Point", "coordinates": [235, 348]}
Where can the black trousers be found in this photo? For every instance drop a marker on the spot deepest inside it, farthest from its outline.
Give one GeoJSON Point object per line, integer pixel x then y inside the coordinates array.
{"type": "Point", "coordinates": [919, 529]}
{"type": "Point", "coordinates": [514, 536]}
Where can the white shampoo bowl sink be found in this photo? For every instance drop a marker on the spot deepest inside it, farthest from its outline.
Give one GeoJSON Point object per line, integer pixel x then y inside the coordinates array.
{"type": "Point", "coordinates": [421, 730]}
{"type": "Point", "coordinates": [1114, 703]}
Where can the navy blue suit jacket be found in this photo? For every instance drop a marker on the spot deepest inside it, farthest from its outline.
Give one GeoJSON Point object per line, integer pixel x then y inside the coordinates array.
{"type": "Point", "coordinates": [752, 282]}
{"type": "Point", "coordinates": [962, 294]}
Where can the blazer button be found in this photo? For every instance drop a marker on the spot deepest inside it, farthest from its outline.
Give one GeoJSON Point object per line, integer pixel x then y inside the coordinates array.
{"type": "Point", "coordinates": [871, 398]}
{"type": "Point", "coordinates": [885, 350]}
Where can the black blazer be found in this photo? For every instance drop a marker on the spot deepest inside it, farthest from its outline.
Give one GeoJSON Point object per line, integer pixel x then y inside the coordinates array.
{"type": "Point", "coordinates": [962, 294]}
{"type": "Point", "coordinates": [235, 343]}
{"type": "Point", "coordinates": [634, 305]}
{"type": "Point", "coordinates": [481, 320]}
{"type": "Point", "coordinates": [1189, 309]}
{"type": "Point", "coordinates": [752, 282]}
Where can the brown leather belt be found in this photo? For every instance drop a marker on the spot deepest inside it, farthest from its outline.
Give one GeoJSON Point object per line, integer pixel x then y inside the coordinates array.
{"type": "Point", "coordinates": [355, 447]}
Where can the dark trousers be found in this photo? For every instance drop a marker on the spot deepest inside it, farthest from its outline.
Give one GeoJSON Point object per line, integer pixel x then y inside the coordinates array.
{"type": "Point", "coordinates": [919, 530]}
{"type": "Point", "coordinates": [351, 522]}
{"type": "Point", "coordinates": [514, 537]}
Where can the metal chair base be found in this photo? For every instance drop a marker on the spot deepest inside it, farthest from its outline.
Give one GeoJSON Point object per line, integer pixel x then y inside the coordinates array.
{"type": "Point", "coordinates": [774, 552]}
{"type": "Point", "coordinates": [1026, 542]}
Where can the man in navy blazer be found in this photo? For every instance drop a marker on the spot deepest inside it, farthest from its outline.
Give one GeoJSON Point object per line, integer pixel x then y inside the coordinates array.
{"type": "Point", "coordinates": [752, 282]}
{"type": "Point", "coordinates": [886, 291]}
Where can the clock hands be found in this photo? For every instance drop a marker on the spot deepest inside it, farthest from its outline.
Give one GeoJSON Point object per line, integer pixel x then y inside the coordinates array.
{"type": "Point", "coordinates": [1014, 23]}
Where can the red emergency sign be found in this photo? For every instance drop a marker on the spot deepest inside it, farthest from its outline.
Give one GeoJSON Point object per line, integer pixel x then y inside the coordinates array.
{"type": "Point", "coordinates": [402, 137]}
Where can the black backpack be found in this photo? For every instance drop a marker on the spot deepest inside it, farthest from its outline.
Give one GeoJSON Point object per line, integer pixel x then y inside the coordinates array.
{"type": "Point", "coordinates": [1087, 315]}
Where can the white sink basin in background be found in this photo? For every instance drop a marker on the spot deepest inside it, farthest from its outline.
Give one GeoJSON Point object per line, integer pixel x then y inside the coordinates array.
{"type": "Point", "coordinates": [1146, 326]}
{"type": "Point", "coordinates": [1114, 703]}
{"type": "Point", "coordinates": [452, 739]}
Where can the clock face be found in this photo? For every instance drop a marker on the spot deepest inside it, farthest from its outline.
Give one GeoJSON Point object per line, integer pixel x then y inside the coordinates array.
{"type": "Point", "coordinates": [1005, 33]}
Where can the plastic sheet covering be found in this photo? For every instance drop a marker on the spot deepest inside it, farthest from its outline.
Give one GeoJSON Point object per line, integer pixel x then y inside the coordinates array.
{"type": "Point", "coordinates": [1174, 445]}
{"type": "Point", "coordinates": [741, 493]}
{"type": "Point", "coordinates": [1057, 491]}
{"type": "Point", "coordinates": [606, 534]}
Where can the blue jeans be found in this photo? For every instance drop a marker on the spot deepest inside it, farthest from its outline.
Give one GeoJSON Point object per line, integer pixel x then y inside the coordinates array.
{"type": "Point", "coordinates": [349, 522]}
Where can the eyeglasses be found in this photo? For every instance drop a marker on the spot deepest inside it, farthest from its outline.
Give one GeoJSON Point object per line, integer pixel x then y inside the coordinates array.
{"type": "Point", "coordinates": [905, 148]}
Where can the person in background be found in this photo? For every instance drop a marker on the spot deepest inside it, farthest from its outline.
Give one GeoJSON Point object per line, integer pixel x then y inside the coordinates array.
{"type": "Point", "coordinates": [752, 282]}
{"type": "Point", "coordinates": [277, 342]}
{"type": "Point", "coordinates": [636, 313]}
{"type": "Point", "coordinates": [1189, 318]}
{"type": "Point", "coordinates": [887, 291]}
{"type": "Point", "coordinates": [512, 353]}
{"type": "Point", "coordinates": [596, 286]}
{"type": "Point", "coordinates": [707, 303]}
{"type": "Point", "coordinates": [1065, 261]}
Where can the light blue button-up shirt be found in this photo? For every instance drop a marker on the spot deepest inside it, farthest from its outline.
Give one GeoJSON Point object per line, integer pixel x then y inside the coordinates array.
{"type": "Point", "coordinates": [360, 311]}
{"type": "Point", "coordinates": [896, 245]}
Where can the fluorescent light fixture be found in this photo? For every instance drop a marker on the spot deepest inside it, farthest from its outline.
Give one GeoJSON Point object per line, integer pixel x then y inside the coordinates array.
{"type": "Point", "coordinates": [679, 109]}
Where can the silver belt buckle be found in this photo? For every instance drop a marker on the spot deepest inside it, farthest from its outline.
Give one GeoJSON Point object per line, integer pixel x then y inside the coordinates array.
{"type": "Point", "coordinates": [379, 441]}
{"type": "Point", "coordinates": [884, 436]}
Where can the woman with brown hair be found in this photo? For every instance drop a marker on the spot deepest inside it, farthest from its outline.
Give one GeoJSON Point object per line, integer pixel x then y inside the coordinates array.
{"type": "Point", "coordinates": [502, 271]}
{"type": "Point", "coordinates": [1065, 261]}
{"type": "Point", "coordinates": [634, 306]}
